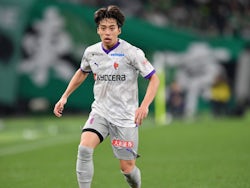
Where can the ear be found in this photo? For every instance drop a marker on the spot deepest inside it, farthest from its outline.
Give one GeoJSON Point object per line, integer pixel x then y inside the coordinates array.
{"type": "Point", "coordinates": [97, 30]}
{"type": "Point", "coordinates": [120, 30]}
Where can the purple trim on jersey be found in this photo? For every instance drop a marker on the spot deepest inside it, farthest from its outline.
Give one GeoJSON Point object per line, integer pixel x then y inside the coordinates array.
{"type": "Point", "coordinates": [150, 74]}
{"type": "Point", "coordinates": [85, 71]}
{"type": "Point", "coordinates": [107, 51]}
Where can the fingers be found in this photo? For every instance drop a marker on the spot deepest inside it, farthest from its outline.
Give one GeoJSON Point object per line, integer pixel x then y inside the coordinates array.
{"type": "Point", "coordinates": [138, 121]}
{"type": "Point", "coordinates": [140, 115]}
{"type": "Point", "coordinates": [58, 109]}
{"type": "Point", "coordinates": [59, 106]}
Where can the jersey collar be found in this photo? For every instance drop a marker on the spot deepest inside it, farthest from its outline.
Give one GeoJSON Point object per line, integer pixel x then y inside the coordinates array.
{"type": "Point", "coordinates": [115, 46]}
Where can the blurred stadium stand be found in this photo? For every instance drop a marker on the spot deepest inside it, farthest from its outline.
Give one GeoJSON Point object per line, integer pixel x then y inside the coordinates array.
{"type": "Point", "coordinates": [209, 17]}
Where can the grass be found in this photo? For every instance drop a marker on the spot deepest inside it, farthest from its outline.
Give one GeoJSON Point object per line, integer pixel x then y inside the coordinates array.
{"type": "Point", "coordinates": [207, 153]}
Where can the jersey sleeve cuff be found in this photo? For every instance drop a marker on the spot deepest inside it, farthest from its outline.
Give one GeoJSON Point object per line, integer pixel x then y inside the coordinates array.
{"type": "Point", "coordinates": [150, 74]}
{"type": "Point", "coordinates": [85, 71]}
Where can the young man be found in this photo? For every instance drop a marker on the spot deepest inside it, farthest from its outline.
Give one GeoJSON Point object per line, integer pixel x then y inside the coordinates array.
{"type": "Point", "coordinates": [115, 65]}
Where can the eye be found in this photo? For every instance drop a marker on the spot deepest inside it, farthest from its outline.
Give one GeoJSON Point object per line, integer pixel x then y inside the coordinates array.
{"type": "Point", "coordinates": [103, 28]}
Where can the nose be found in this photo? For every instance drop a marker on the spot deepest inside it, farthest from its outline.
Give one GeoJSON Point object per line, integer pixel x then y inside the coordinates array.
{"type": "Point", "coordinates": [107, 31]}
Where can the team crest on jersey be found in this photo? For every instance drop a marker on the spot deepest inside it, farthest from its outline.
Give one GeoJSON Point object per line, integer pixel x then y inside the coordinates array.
{"type": "Point", "coordinates": [116, 65]}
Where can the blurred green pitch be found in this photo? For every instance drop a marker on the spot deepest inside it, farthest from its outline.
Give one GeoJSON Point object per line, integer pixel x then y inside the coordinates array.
{"type": "Point", "coordinates": [38, 152]}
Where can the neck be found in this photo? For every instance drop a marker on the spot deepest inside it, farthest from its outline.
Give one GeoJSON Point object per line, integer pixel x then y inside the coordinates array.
{"type": "Point", "coordinates": [107, 49]}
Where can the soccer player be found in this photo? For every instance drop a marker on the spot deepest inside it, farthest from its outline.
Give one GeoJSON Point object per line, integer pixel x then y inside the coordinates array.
{"type": "Point", "coordinates": [115, 112]}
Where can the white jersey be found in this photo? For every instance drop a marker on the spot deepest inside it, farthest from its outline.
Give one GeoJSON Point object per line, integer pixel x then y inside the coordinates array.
{"type": "Point", "coordinates": [116, 72]}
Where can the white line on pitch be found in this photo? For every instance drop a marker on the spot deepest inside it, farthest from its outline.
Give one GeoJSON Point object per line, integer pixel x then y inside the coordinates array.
{"type": "Point", "coordinates": [36, 145]}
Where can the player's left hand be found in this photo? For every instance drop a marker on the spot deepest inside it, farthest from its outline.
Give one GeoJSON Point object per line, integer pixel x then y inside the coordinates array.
{"type": "Point", "coordinates": [140, 114]}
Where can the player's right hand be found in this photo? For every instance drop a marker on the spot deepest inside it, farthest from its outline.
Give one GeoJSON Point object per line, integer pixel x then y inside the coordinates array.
{"type": "Point", "coordinates": [59, 106]}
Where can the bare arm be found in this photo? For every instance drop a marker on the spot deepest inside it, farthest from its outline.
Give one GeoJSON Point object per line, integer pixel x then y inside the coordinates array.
{"type": "Point", "coordinates": [74, 83]}
{"type": "Point", "coordinates": [152, 88]}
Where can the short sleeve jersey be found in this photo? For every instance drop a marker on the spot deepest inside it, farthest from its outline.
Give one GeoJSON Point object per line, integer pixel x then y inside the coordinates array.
{"type": "Point", "coordinates": [116, 73]}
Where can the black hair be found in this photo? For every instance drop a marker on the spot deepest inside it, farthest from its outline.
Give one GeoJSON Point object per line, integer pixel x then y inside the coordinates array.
{"type": "Point", "coordinates": [111, 11]}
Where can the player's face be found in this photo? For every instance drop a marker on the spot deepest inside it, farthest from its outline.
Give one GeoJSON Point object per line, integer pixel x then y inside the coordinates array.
{"type": "Point", "coordinates": [108, 31]}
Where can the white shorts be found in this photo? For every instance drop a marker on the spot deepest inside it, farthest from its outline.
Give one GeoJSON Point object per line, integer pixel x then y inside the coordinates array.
{"type": "Point", "coordinates": [124, 140]}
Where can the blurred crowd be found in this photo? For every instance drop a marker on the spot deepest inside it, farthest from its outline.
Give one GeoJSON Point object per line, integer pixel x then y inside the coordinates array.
{"type": "Point", "coordinates": [201, 74]}
{"type": "Point", "coordinates": [211, 17]}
